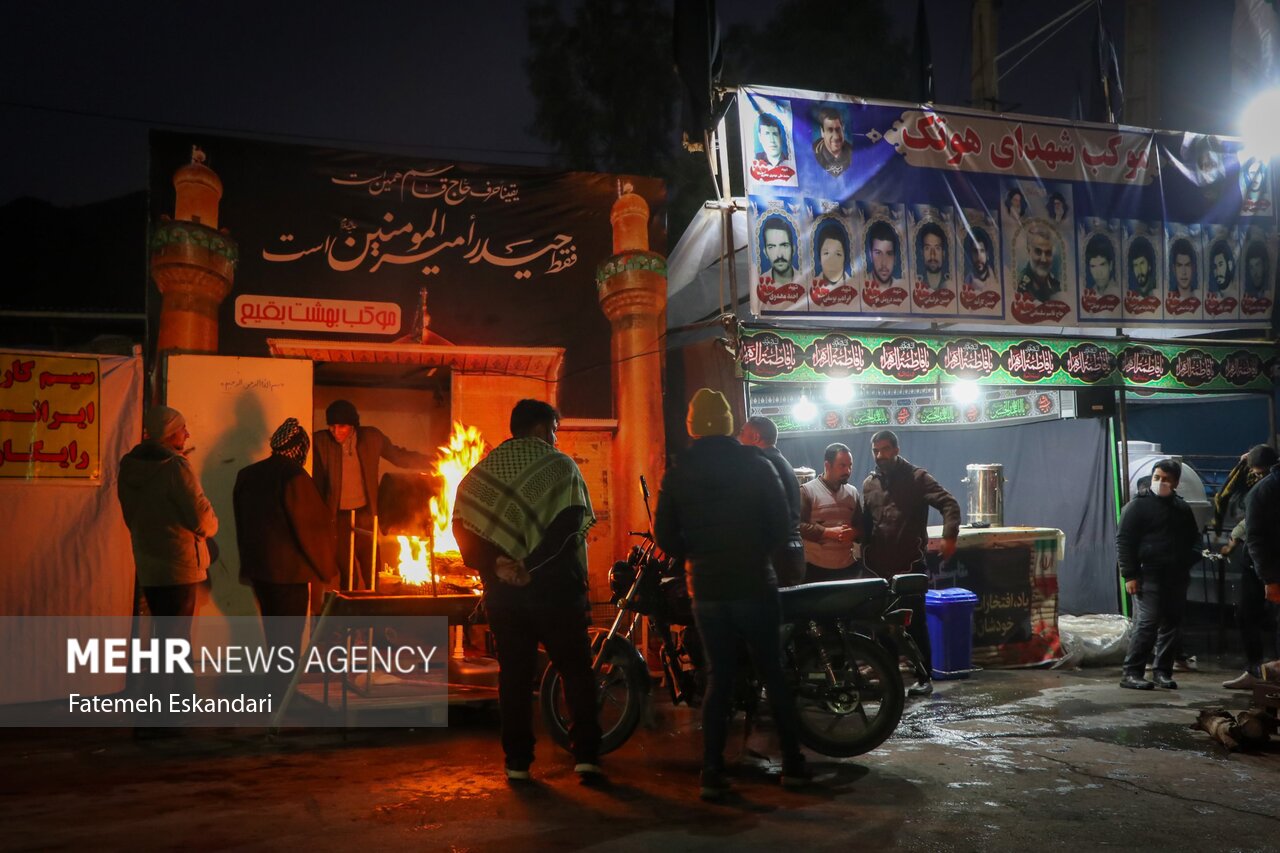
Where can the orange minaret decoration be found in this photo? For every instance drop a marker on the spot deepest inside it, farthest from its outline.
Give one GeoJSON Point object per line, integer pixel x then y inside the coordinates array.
{"type": "Point", "coordinates": [632, 286]}
{"type": "Point", "coordinates": [192, 262]}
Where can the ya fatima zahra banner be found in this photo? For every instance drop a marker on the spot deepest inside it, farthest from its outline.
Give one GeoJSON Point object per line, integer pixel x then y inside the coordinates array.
{"type": "Point", "coordinates": [340, 245]}
{"type": "Point", "coordinates": [49, 409]}
{"type": "Point", "coordinates": [794, 355]}
{"type": "Point", "coordinates": [872, 209]}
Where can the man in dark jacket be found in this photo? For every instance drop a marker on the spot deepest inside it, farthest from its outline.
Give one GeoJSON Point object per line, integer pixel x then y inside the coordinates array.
{"type": "Point", "coordinates": [171, 524]}
{"type": "Point", "coordinates": [346, 472]}
{"type": "Point", "coordinates": [895, 504]}
{"type": "Point", "coordinates": [1262, 533]}
{"type": "Point", "coordinates": [284, 533]}
{"type": "Point", "coordinates": [521, 520]}
{"type": "Point", "coordinates": [1156, 546]}
{"type": "Point", "coordinates": [788, 561]}
{"type": "Point", "coordinates": [722, 510]}
{"type": "Point", "coordinates": [1252, 608]}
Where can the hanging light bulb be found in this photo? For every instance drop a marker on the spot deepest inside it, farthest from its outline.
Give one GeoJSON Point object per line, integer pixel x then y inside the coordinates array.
{"type": "Point", "coordinates": [965, 391]}
{"type": "Point", "coordinates": [1260, 127]}
{"type": "Point", "coordinates": [804, 411]}
{"type": "Point", "coordinates": [839, 391]}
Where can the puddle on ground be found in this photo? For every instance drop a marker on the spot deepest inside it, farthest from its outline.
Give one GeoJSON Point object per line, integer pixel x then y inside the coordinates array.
{"type": "Point", "coordinates": [1170, 736]}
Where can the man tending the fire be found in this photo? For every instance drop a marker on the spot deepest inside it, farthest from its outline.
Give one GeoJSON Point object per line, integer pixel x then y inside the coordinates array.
{"type": "Point", "coordinates": [346, 473]}
{"type": "Point", "coordinates": [521, 519]}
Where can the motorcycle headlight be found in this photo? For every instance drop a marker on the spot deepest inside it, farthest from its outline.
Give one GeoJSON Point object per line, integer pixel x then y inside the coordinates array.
{"type": "Point", "coordinates": [621, 577]}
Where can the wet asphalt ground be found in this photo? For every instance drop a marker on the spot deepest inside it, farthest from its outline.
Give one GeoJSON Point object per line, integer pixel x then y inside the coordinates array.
{"type": "Point", "coordinates": [1005, 760]}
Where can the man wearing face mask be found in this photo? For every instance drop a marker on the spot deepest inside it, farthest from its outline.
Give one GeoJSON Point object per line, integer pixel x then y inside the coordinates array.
{"type": "Point", "coordinates": [1156, 546]}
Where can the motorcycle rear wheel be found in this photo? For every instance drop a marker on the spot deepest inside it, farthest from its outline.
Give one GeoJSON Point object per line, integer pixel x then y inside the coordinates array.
{"type": "Point", "coordinates": [622, 689]}
{"type": "Point", "coordinates": [863, 708]}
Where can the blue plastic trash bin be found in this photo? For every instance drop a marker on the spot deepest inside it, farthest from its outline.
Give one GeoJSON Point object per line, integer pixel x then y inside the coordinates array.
{"type": "Point", "coordinates": [949, 613]}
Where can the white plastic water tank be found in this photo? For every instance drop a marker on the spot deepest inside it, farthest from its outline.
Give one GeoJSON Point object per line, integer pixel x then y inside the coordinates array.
{"type": "Point", "coordinates": [1143, 456]}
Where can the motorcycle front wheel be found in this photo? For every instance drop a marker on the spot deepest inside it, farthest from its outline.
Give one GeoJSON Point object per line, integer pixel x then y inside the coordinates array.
{"type": "Point", "coordinates": [860, 710]}
{"type": "Point", "coordinates": [622, 689]}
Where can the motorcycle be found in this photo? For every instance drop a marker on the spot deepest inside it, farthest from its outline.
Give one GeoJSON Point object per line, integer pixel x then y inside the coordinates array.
{"type": "Point", "coordinates": [848, 689]}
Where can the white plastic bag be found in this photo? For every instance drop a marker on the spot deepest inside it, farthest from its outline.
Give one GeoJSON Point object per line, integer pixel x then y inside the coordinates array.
{"type": "Point", "coordinates": [1097, 639]}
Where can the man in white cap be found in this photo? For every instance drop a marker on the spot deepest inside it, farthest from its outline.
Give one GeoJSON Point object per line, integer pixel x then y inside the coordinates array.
{"type": "Point", "coordinates": [723, 511]}
{"type": "Point", "coordinates": [170, 520]}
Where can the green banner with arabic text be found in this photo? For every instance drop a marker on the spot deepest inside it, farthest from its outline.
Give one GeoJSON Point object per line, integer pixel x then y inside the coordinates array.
{"type": "Point", "coordinates": [793, 355]}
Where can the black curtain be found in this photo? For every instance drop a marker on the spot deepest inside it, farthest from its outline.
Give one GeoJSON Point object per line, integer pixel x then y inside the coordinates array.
{"type": "Point", "coordinates": [1057, 474]}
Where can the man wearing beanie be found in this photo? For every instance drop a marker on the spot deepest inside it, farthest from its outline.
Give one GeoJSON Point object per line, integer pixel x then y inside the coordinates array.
{"type": "Point", "coordinates": [346, 472]}
{"type": "Point", "coordinates": [169, 519]}
{"type": "Point", "coordinates": [722, 511]}
{"type": "Point", "coordinates": [284, 532]}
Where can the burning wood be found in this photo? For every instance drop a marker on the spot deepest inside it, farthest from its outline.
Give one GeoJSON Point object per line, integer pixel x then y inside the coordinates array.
{"type": "Point", "coordinates": [420, 564]}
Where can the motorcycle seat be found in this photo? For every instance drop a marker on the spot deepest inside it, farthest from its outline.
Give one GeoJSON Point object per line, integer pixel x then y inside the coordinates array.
{"type": "Point", "coordinates": [832, 598]}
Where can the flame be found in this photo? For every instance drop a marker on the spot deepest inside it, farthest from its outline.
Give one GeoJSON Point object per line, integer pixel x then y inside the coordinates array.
{"type": "Point", "coordinates": [415, 560]}
{"type": "Point", "coordinates": [453, 461]}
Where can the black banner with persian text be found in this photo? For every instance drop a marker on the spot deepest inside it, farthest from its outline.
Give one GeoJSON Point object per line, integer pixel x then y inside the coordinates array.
{"type": "Point", "coordinates": [338, 244]}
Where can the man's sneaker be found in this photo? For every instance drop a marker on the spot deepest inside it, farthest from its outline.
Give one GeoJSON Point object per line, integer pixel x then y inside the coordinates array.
{"type": "Point", "coordinates": [588, 772]}
{"type": "Point", "coordinates": [1243, 681]}
{"type": "Point", "coordinates": [715, 786]}
{"type": "Point", "coordinates": [517, 773]}
{"type": "Point", "coordinates": [1137, 682]}
{"type": "Point", "coordinates": [923, 687]}
{"type": "Point", "coordinates": [1187, 664]}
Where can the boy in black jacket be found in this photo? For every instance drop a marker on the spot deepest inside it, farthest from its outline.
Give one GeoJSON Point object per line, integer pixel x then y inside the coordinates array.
{"type": "Point", "coordinates": [1156, 545]}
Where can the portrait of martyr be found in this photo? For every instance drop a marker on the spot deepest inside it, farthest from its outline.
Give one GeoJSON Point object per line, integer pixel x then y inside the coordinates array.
{"type": "Point", "coordinates": [978, 254]}
{"type": "Point", "coordinates": [1254, 177]}
{"type": "Point", "coordinates": [1184, 278]}
{"type": "Point", "coordinates": [1100, 264]}
{"type": "Point", "coordinates": [932, 255]}
{"type": "Point", "coordinates": [777, 249]}
{"type": "Point", "coordinates": [831, 149]}
{"type": "Point", "coordinates": [1142, 267]}
{"type": "Point", "coordinates": [772, 149]}
{"type": "Point", "coordinates": [1038, 279]}
{"type": "Point", "coordinates": [831, 259]}
{"type": "Point", "coordinates": [1222, 271]}
{"type": "Point", "coordinates": [883, 251]}
{"type": "Point", "coordinates": [1256, 282]}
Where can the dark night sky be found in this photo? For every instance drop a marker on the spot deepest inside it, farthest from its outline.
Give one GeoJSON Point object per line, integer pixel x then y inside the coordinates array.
{"type": "Point", "coordinates": [80, 83]}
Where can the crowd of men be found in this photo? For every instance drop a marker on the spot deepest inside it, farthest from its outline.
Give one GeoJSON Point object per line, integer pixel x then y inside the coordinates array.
{"type": "Point", "coordinates": [731, 510]}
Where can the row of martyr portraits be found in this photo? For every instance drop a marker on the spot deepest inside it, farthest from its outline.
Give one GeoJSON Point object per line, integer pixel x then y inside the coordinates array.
{"type": "Point", "coordinates": [865, 209]}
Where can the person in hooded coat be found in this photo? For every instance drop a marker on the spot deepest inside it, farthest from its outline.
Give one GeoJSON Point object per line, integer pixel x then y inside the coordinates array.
{"type": "Point", "coordinates": [169, 518]}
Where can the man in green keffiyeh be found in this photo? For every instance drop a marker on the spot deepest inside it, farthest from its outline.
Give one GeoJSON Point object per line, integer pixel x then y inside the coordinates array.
{"type": "Point", "coordinates": [521, 518]}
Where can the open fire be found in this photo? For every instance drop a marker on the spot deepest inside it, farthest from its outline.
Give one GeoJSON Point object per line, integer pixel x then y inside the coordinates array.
{"type": "Point", "coordinates": [418, 561]}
